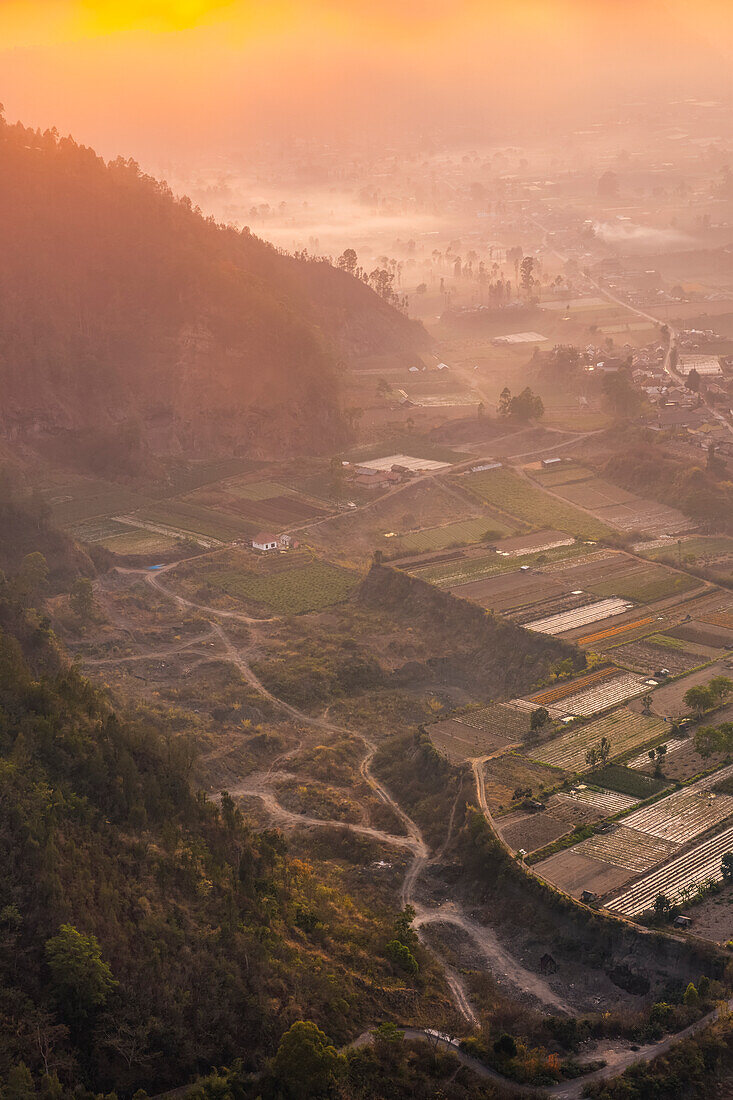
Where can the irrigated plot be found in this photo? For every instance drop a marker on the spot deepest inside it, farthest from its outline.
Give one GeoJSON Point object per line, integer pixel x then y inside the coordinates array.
{"type": "Point", "coordinates": [593, 700]}
{"type": "Point", "coordinates": [580, 616]}
{"type": "Point", "coordinates": [624, 729]}
{"type": "Point", "coordinates": [571, 687]}
{"type": "Point", "coordinates": [628, 848]}
{"type": "Point", "coordinates": [674, 879]}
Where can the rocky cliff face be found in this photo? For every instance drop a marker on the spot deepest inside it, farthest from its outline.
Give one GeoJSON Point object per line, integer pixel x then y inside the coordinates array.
{"type": "Point", "coordinates": [124, 311]}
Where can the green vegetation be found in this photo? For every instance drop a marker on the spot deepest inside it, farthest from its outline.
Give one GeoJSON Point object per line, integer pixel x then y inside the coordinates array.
{"type": "Point", "coordinates": [518, 497]}
{"type": "Point", "coordinates": [615, 777]}
{"type": "Point", "coordinates": [665, 642]}
{"type": "Point", "coordinates": [194, 518]}
{"type": "Point", "coordinates": [706, 697]}
{"type": "Point", "coordinates": [484, 529]}
{"type": "Point", "coordinates": [289, 591]}
{"type": "Point", "coordinates": [645, 586]}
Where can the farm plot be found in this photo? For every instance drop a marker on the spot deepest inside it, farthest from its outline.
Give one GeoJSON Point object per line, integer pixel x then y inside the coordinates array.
{"type": "Point", "coordinates": [628, 848]}
{"type": "Point", "coordinates": [459, 741]}
{"type": "Point", "coordinates": [290, 591]}
{"type": "Point", "coordinates": [606, 802]}
{"type": "Point", "coordinates": [625, 730]}
{"type": "Point", "coordinates": [137, 540]}
{"type": "Point", "coordinates": [194, 519]}
{"type": "Point", "coordinates": [646, 584]}
{"type": "Point", "coordinates": [617, 777]}
{"type": "Point", "coordinates": [684, 762]}
{"type": "Point", "coordinates": [471, 568]}
{"type": "Point", "coordinates": [608, 694]}
{"type": "Point", "coordinates": [594, 493]}
{"type": "Point", "coordinates": [532, 831]}
{"type": "Point", "coordinates": [504, 774]}
{"type": "Point", "coordinates": [459, 533]}
{"type": "Point", "coordinates": [621, 631]}
{"type": "Point", "coordinates": [512, 590]}
{"type": "Point", "coordinates": [581, 616]}
{"type": "Point", "coordinates": [554, 605]}
{"type": "Point", "coordinates": [571, 687]}
{"type": "Point", "coordinates": [255, 490]}
{"type": "Point", "coordinates": [574, 872]}
{"type": "Point", "coordinates": [642, 759]}
{"type": "Point", "coordinates": [676, 878]}
{"type": "Point", "coordinates": [534, 543]}
{"type": "Point", "coordinates": [518, 497]}
{"type": "Point", "coordinates": [682, 815]}
{"type": "Point", "coordinates": [646, 656]}
{"type": "Point", "coordinates": [559, 475]}
{"type": "Point", "coordinates": [647, 516]}
{"type": "Point", "coordinates": [498, 719]}
{"type": "Point", "coordinates": [86, 498]}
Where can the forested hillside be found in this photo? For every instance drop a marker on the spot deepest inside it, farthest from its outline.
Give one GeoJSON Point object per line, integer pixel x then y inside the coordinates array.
{"type": "Point", "coordinates": [126, 315]}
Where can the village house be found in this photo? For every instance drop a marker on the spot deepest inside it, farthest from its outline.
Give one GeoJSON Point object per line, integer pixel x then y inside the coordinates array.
{"type": "Point", "coordinates": [264, 541]}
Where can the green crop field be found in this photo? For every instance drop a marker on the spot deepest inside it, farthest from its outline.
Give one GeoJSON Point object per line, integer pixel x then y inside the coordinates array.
{"type": "Point", "coordinates": [453, 573]}
{"type": "Point", "coordinates": [136, 540]}
{"type": "Point", "coordinates": [615, 777]}
{"type": "Point", "coordinates": [645, 585]}
{"type": "Point", "coordinates": [289, 592]}
{"type": "Point", "coordinates": [486, 528]}
{"type": "Point", "coordinates": [517, 497]}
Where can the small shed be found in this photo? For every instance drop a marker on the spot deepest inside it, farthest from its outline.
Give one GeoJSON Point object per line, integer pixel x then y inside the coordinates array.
{"type": "Point", "coordinates": [682, 922]}
{"type": "Point", "coordinates": [264, 541]}
{"type": "Point", "coordinates": [548, 965]}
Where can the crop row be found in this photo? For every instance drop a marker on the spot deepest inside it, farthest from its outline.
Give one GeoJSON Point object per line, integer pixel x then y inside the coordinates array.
{"type": "Point", "coordinates": [701, 864]}
{"type": "Point", "coordinates": [572, 687]}
{"type": "Point", "coordinates": [627, 848]}
{"type": "Point", "coordinates": [580, 616]}
{"type": "Point", "coordinates": [612, 631]}
{"type": "Point", "coordinates": [292, 591]}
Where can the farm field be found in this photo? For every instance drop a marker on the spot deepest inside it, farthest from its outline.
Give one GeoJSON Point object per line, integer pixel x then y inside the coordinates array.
{"type": "Point", "coordinates": [504, 774]}
{"type": "Point", "coordinates": [627, 848]}
{"type": "Point", "coordinates": [532, 831]}
{"type": "Point", "coordinates": [593, 493]}
{"type": "Point", "coordinates": [517, 496]}
{"type": "Point", "coordinates": [625, 729]}
{"type": "Point", "coordinates": [645, 584]}
{"type": "Point", "coordinates": [533, 543]}
{"type": "Point", "coordinates": [571, 687]}
{"type": "Point", "coordinates": [289, 591]}
{"type": "Point", "coordinates": [137, 540]}
{"type": "Point", "coordinates": [459, 533]}
{"type": "Point", "coordinates": [565, 474]}
{"type": "Point", "coordinates": [669, 698]}
{"type": "Point", "coordinates": [618, 634]}
{"type": "Point", "coordinates": [684, 814]}
{"type": "Point", "coordinates": [577, 617]}
{"type": "Point", "coordinates": [195, 519]}
{"type": "Point", "coordinates": [606, 802]}
{"type": "Point", "coordinates": [682, 762]}
{"type": "Point", "coordinates": [626, 780]}
{"type": "Point", "coordinates": [595, 699]}
{"type": "Point", "coordinates": [509, 591]}
{"type": "Point", "coordinates": [673, 879]}
{"type": "Point", "coordinates": [470, 568]}
{"type": "Point", "coordinates": [490, 729]}
{"type": "Point", "coordinates": [79, 499]}
{"type": "Point", "coordinates": [647, 655]}
{"type": "Point", "coordinates": [573, 871]}
{"type": "Point", "coordinates": [647, 516]}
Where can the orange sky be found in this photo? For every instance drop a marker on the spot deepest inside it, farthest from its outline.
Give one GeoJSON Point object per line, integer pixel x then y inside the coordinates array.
{"type": "Point", "coordinates": [165, 74]}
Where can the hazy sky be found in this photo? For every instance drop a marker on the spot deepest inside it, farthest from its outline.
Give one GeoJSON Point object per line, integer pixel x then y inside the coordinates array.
{"type": "Point", "coordinates": [177, 77]}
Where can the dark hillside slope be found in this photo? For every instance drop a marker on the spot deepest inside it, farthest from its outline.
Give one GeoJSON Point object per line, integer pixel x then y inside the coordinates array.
{"type": "Point", "coordinates": [124, 311]}
{"type": "Point", "coordinates": [483, 652]}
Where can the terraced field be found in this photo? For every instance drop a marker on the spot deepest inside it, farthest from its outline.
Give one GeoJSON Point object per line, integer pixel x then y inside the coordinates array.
{"type": "Point", "coordinates": [693, 868]}
{"type": "Point", "coordinates": [594, 699]}
{"type": "Point", "coordinates": [613, 632]}
{"type": "Point", "coordinates": [455, 573]}
{"type": "Point", "coordinates": [504, 774]}
{"type": "Point", "coordinates": [518, 497]}
{"type": "Point", "coordinates": [580, 616]}
{"type": "Point", "coordinates": [646, 584]}
{"type": "Point", "coordinates": [625, 729]}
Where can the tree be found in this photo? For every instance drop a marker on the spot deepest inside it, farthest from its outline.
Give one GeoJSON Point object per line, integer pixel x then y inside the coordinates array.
{"type": "Point", "coordinates": [620, 394]}
{"type": "Point", "coordinates": [505, 402]}
{"type": "Point", "coordinates": [604, 750]}
{"type": "Point", "coordinates": [721, 687]}
{"type": "Point", "coordinates": [726, 867]}
{"type": "Point", "coordinates": [526, 406]}
{"type": "Point", "coordinates": [81, 599]}
{"type": "Point", "coordinates": [31, 578]}
{"type": "Point", "coordinates": [692, 382]}
{"type": "Point", "coordinates": [691, 997]}
{"type": "Point", "coordinates": [699, 699]}
{"type": "Point", "coordinates": [81, 979]}
{"type": "Point", "coordinates": [527, 277]}
{"type": "Point", "coordinates": [306, 1063]}
{"type": "Point", "coordinates": [347, 261]}
{"type": "Point", "coordinates": [505, 1046]}
{"type": "Point", "coordinates": [539, 718]}
{"type": "Point", "coordinates": [662, 905]}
